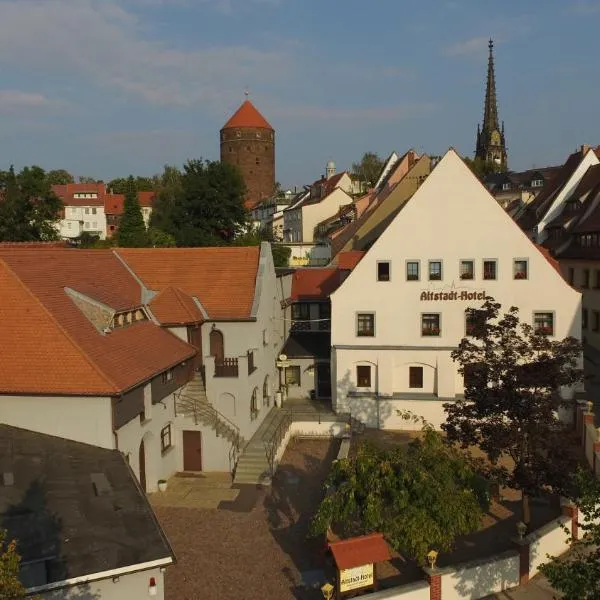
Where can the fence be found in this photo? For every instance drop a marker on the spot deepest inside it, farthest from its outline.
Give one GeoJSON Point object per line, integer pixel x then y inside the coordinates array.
{"type": "Point", "coordinates": [226, 367]}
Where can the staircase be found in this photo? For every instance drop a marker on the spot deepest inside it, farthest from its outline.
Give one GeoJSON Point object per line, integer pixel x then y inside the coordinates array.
{"type": "Point", "coordinates": [191, 401]}
{"type": "Point", "coordinates": [254, 464]}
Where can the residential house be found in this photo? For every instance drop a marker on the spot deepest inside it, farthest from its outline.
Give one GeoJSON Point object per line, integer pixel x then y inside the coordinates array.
{"type": "Point", "coordinates": [399, 314]}
{"type": "Point", "coordinates": [113, 209]}
{"type": "Point", "coordinates": [83, 526]}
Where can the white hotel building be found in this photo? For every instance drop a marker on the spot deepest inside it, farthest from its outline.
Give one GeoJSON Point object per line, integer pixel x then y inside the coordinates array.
{"type": "Point", "coordinates": [401, 311]}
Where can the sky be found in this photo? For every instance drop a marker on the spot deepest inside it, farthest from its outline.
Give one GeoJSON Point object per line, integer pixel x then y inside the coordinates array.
{"type": "Point", "coordinates": [105, 88]}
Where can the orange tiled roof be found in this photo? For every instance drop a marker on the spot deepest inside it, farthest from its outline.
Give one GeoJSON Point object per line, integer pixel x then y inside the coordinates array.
{"type": "Point", "coordinates": [85, 361]}
{"type": "Point", "coordinates": [314, 283]}
{"type": "Point", "coordinates": [173, 306]}
{"type": "Point", "coordinates": [66, 193]}
{"type": "Point", "coordinates": [348, 260]}
{"type": "Point", "coordinates": [247, 116]}
{"type": "Point", "coordinates": [146, 198]}
{"type": "Point", "coordinates": [361, 550]}
{"type": "Point", "coordinates": [113, 203]}
{"type": "Point", "coordinates": [223, 279]}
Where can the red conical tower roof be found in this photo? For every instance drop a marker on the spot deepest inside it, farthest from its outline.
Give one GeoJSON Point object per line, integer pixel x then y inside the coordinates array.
{"type": "Point", "coordinates": [247, 116]}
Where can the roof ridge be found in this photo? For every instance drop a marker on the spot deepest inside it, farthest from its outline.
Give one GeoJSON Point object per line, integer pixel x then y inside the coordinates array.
{"type": "Point", "coordinates": [79, 349]}
{"type": "Point", "coordinates": [178, 294]}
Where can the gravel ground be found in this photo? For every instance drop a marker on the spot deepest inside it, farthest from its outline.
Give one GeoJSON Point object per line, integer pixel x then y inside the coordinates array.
{"type": "Point", "coordinates": [255, 548]}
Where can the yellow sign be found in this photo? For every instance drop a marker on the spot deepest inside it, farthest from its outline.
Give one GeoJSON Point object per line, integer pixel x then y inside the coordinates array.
{"type": "Point", "coordinates": [358, 577]}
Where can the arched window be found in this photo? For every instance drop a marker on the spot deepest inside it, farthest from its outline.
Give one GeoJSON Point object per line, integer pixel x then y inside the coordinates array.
{"type": "Point", "coordinates": [217, 345]}
{"type": "Point", "coordinates": [254, 408]}
{"type": "Point", "coordinates": [266, 392]}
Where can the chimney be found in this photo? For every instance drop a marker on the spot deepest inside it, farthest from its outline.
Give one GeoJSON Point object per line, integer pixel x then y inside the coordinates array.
{"type": "Point", "coordinates": [585, 148]}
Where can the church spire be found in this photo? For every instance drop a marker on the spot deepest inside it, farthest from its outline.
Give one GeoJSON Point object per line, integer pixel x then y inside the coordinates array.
{"type": "Point", "coordinates": [490, 146]}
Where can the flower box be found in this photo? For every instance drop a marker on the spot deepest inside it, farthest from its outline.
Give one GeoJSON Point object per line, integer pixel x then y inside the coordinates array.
{"type": "Point", "coordinates": [431, 331]}
{"type": "Point", "coordinates": [466, 276]}
{"type": "Point", "coordinates": [544, 330]}
{"type": "Point", "coordinates": [520, 275]}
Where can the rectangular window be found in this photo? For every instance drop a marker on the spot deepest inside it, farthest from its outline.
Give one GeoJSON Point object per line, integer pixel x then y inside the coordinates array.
{"type": "Point", "coordinates": [467, 269]}
{"type": "Point", "coordinates": [595, 320]}
{"type": "Point", "coordinates": [543, 323]}
{"type": "Point", "coordinates": [585, 281]}
{"type": "Point", "coordinates": [435, 270]}
{"type": "Point", "coordinates": [165, 438]}
{"type": "Point", "coordinates": [383, 271]}
{"type": "Point", "coordinates": [363, 376]}
{"type": "Point", "coordinates": [292, 375]}
{"type": "Point", "coordinates": [597, 279]}
{"type": "Point", "coordinates": [87, 211]}
{"type": "Point", "coordinates": [365, 324]}
{"type": "Point", "coordinates": [571, 275]}
{"type": "Point", "coordinates": [490, 269]}
{"type": "Point", "coordinates": [412, 270]}
{"type": "Point", "coordinates": [415, 377]}
{"type": "Point", "coordinates": [167, 376]}
{"type": "Point", "coordinates": [93, 211]}
{"type": "Point", "coordinates": [584, 318]}
{"type": "Point", "coordinates": [520, 269]}
{"type": "Point", "coordinates": [301, 311]}
{"type": "Point", "coordinates": [430, 324]}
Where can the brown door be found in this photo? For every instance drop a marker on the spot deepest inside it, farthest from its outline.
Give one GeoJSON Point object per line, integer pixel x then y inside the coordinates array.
{"type": "Point", "coordinates": [142, 466]}
{"type": "Point", "coordinates": [195, 339]}
{"type": "Point", "coordinates": [192, 451]}
{"type": "Point", "coordinates": [217, 347]}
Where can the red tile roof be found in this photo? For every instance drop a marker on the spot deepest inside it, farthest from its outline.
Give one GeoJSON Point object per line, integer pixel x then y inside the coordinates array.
{"type": "Point", "coordinates": [247, 116]}
{"type": "Point", "coordinates": [67, 192]}
{"type": "Point", "coordinates": [359, 551]}
{"type": "Point", "coordinates": [223, 279]}
{"type": "Point", "coordinates": [81, 360]}
{"type": "Point", "coordinates": [173, 306]}
{"type": "Point", "coordinates": [113, 203]}
{"type": "Point", "coordinates": [348, 260]}
{"type": "Point", "coordinates": [314, 283]}
{"type": "Point", "coordinates": [146, 199]}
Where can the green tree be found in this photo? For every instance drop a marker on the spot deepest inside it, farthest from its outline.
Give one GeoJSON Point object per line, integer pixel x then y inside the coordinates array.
{"type": "Point", "coordinates": [59, 177]}
{"type": "Point", "coordinates": [421, 496]}
{"type": "Point", "coordinates": [132, 230]}
{"type": "Point", "coordinates": [480, 167]}
{"type": "Point", "coordinates": [29, 210]}
{"type": "Point", "coordinates": [281, 254]}
{"type": "Point", "coordinates": [169, 190]}
{"type": "Point", "coordinates": [368, 169]}
{"type": "Point", "coordinates": [510, 405]}
{"type": "Point", "coordinates": [577, 577]}
{"type": "Point", "coordinates": [142, 184]}
{"type": "Point", "coordinates": [159, 239]}
{"type": "Point", "coordinates": [86, 179]}
{"type": "Point", "coordinates": [255, 236]}
{"type": "Point", "coordinates": [10, 586]}
{"type": "Point", "coordinates": [209, 209]}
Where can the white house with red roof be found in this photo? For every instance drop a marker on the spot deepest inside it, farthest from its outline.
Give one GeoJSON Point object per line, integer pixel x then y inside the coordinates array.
{"type": "Point", "coordinates": [399, 314]}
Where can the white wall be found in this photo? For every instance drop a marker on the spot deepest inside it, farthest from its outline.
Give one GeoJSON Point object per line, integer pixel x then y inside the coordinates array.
{"type": "Point", "coordinates": [412, 591]}
{"type": "Point", "coordinates": [313, 214]}
{"type": "Point", "coordinates": [478, 579]}
{"type": "Point", "coordinates": [309, 254]}
{"type": "Point", "coordinates": [551, 539]}
{"type": "Point", "coordinates": [438, 223]}
{"type": "Point", "coordinates": [91, 223]}
{"type": "Point", "coordinates": [79, 418]}
{"type": "Point", "coordinates": [132, 587]}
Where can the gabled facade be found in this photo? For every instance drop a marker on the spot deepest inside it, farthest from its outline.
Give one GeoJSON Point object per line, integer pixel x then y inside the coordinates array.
{"type": "Point", "coordinates": [401, 312]}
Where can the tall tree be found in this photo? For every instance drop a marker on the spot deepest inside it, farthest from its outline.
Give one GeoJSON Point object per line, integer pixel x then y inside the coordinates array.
{"type": "Point", "coordinates": [510, 406]}
{"type": "Point", "coordinates": [368, 169]}
{"type": "Point", "coordinates": [577, 577]}
{"type": "Point", "coordinates": [132, 230]}
{"type": "Point", "coordinates": [29, 210]}
{"type": "Point", "coordinates": [421, 497]}
{"type": "Point", "coordinates": [10, 586]}
{"type": "Point", "coordinates": [169, 190]}
{"type": "Point", "coordinates": [86, 179]}
{"type": "Point", "coordinates": [142, 184]}
{"type": "Point", "coordinates": [59, 177]}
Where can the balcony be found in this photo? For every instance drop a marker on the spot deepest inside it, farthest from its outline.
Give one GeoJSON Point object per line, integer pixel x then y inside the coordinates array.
{"type": "Point", "coordinates": [226, 367]}
{"type": "Point", "coordinates": [230, 366]}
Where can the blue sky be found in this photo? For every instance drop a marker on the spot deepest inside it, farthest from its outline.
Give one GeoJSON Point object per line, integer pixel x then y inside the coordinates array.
{"type": "Point", "coordinates": [104, 88]}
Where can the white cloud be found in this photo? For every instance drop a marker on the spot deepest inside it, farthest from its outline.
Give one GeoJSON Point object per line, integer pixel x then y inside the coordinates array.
{"type": "Point", "coordinates": [105, 43]}
{"type": "Point", "coordinates": [16, 101]}
{"type": "Point", "coordinates": [473, 47]}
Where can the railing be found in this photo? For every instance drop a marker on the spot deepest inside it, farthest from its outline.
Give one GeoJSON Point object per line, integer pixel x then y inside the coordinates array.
{"type": "Point", "coordinates": [226, 367]}
{"type": "Point", "coordinates": [272, 440]}
{"type": "Point", "coordinates": [251, 365]}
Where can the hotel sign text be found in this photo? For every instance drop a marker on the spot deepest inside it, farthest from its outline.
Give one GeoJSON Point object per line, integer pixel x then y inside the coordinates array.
{"type": "Point", "coordinates": [356, 578]}
{"type": "Point", "coordinates": [464, 295]}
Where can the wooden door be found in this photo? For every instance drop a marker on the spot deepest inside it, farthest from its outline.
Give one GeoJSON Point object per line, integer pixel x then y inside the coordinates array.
{"type": "Point", "coordinates": [217, 346]}
{"type": "Point", "coordinates": [195, 339]}
{"type": "Point", "coordinates": [192, 451]}
{"type": "Point", "coordinates": [143, 466]}
{"type": "Point", "coordinates": [323, 380]}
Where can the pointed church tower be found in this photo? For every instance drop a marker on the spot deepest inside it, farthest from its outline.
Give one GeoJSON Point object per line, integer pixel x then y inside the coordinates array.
{"type": "Point", "coordinates": [491, 146]}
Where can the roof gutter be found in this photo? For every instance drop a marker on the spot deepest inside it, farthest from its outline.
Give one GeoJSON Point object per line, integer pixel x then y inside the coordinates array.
{"type": "Point", "coordinates": [83, 579]}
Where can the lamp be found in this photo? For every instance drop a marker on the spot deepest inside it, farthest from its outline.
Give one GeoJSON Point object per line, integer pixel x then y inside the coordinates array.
{"type": "Point", "coordinates": [327, 590]}
{"type": "Point", "coordinates": [431, 558]}
{"type": "Point", "coordinates": [521, 529]}
{"type": "Point", "coordinates": [590, 407]}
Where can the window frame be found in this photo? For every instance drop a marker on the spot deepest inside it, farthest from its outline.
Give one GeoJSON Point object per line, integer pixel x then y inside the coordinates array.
{"type": "Point", "coordinates": [432, 262]}
{"type": "Point", "coordinates": [460, 265]}
{"type": "Point", "coordinates": [301, 305]}
{"type": "Point", "coordinates": [413, 262]}
{"type": "Point", "coordinates": [439, 327]}
{"type": "Point", "coordinates": [544, 312]}
{"type": "Point", "coordinates": [489, 260]}
{"type": "Point", "coordinates": [299, 371]}
{"type": "Point", "coordinates": [167, 376]}
{"type": "Point", "coordinates": [370, 378]}
{"type": "Point", "coordinates": [585, 280]}
{"type": "Point", "coordinates": [389, 270]}
{"type": "Point", "coordinates": [415, 368]}
{"type": "Point", "coordinates": [515, 272]}
{"type": "Point", "coordinates": [166, 432]}
{"type": "Point", "coordinates": [584, 319]}
{"type": "Point", "coordinates": [357, 318]}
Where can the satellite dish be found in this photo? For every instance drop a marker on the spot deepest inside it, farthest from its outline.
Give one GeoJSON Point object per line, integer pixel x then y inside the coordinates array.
{"type": "Point", "coordinates": [282, 357]}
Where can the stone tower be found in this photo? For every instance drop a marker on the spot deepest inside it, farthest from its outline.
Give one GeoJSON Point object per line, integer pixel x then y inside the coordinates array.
{"type": "Point", "coordinates": [248, 141]}
{"type": "Point", "coordinates": [491, 146]}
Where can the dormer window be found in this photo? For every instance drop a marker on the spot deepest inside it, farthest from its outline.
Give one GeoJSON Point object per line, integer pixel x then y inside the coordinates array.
{"type": "Point", "coordinates": [537, 183]}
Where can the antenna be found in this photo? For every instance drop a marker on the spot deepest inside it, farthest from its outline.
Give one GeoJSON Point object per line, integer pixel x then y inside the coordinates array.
{"type": "Point", "coordinates": [246, 92]}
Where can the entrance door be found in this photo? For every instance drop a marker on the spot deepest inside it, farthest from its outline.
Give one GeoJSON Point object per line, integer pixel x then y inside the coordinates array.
{"type": "Point", "coordinates": [192, 451]}
{"type": "Point", "coordinates": [323, 380]}
{"type": "Point", "coordinates": [195, 339]}
{"type": "Point", "coordinates": [217, 346]}
{"type": "Point", "coordinates": [143, 466]}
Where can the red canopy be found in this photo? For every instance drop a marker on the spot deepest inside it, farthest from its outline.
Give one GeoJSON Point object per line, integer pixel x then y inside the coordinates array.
{"type": "Point", "coordinates": [359, 551]}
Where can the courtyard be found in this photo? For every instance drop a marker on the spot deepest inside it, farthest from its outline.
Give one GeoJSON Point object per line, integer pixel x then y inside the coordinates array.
{"type": "Point", "coordinates": [251, 542]}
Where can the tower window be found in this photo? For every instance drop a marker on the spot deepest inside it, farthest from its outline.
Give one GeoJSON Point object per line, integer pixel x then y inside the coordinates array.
{"type": "Point", "coordinates": [257, 160]}
{"type": "Point", "coordinates": [230, 148]}
{"type": "Point", "coordinates": [238, 134]}
{"type": "Point", "coordinates": [266, 148]}
{"type": "Point", "coordinates": [258, 135]}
